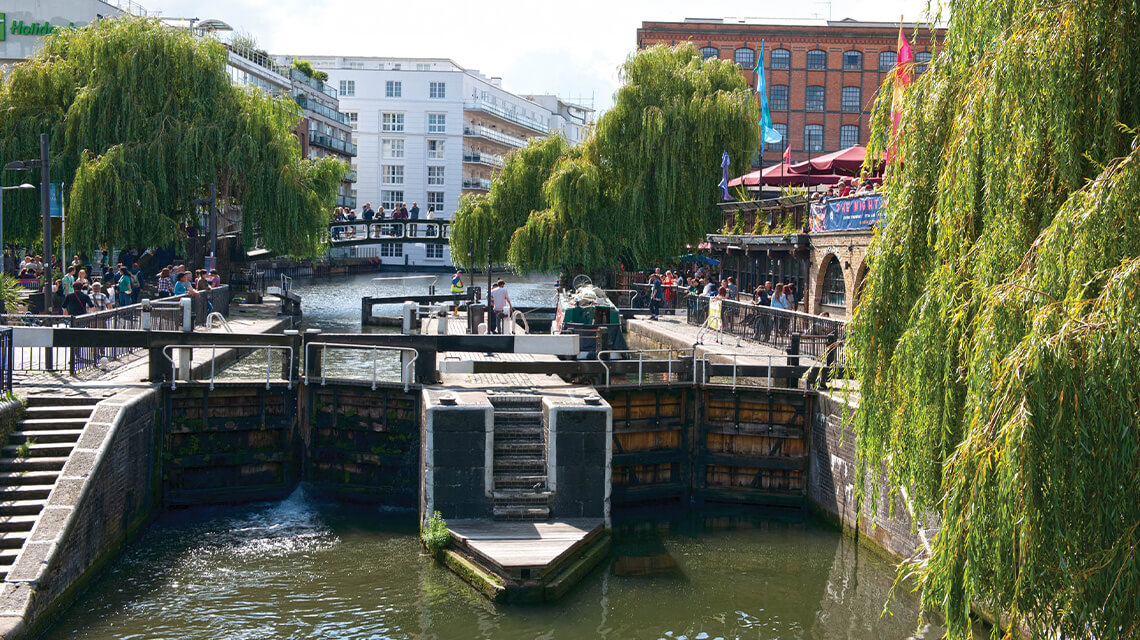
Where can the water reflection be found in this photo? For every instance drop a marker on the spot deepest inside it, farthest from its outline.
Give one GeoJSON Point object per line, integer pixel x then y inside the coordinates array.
{"type": "Point", "coordinates": [307, 569]}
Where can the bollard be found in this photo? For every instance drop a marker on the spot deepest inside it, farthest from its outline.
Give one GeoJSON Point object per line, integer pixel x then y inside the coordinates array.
{"type": "Point", "coordinates": [793, 360]}
{"type": "Point", "coordinates": [146, 322]}
{"type": "Point", "coordinates": [187, 315]}
{"type": "Point", "coordinates": [182, 360]}
{"type": "Point", "coordinates": [312, 356]}
{"type": "Point", "coordinates": [409, 317]}
{"type": "Point", "coordinates": [441, 319]}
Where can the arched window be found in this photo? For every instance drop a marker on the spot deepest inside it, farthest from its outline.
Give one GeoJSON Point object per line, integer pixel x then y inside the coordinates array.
{"type": "Point", "coordinates": [813, 137]}
{"type": "Point", "coordinates": [781, 59]}
{"type": "Point", "coordinates": [887, 60]}
{"type": "Point", "coordinates": [778, 97]}
{"type": "Point", "coordinates": [848, 135]}
{"type": "Point", "coordinates": [817, 59]}
{"type": "Point", "coordinates": [834, 288]}
{"type": "Point", "coordinates": [709, 52]}
{"type": "Point", "coordinates": [852, 61]}
{"type": "Point", "coordinates": [851, 99]}
{"type": "Point", "coordinates": [921, 59]}
{"type": "Point", "coordinates": [814, 98]}
{"type": "Point", "coordinates": [746, 58]}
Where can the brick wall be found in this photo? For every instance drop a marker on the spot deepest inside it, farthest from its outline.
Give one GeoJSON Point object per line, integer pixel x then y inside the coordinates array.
{"type": "Point", "coordinates": [849, 248]}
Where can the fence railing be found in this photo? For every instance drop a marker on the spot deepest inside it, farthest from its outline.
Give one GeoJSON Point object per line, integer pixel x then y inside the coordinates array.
{"type": "Point", "coordinates": [773, 327]}
{"type": "Point", "coordinates": [673, 297]}
{"type": "Point", "coordinates": [6, 353]}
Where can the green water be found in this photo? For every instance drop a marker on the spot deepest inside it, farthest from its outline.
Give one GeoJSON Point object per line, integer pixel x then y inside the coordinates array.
{"type": "Point", "coordinates": [307, 569]}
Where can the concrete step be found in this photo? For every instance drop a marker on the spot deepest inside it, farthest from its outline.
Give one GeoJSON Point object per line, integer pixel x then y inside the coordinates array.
{"type": "Point", "coordinates": [12, 539]}
{"type": "Point", "coordinates": [518, 417]}
{"type": "Point", "coordinates": [65, 411]}
{"type": "Point", "coordinates": [21, 507]}
{"type": "Point", "coordinates": [517, 498]}
{"type": "Point", "coordinates": [60, 401]}
{"type": "Point", "coordinates": [7, 557]}
{"type": "Point", "coordinates": [518, 435]}
{"type": "Point", "coordinates": [531, 481]}
{"type": "Point", "coordinates": [519, 464]}
{"type": "Point", "coordinates": [515, 402]}
{"type": "Point", "coordinates": [45, 450]}
{"type": "Point", "coordinates": [45, 435]}
{"type": "Point", "coordinates": [18, 523]}
{"type": "Point", "coordinates": [32, 464]}
{"type": "Point", "coordinates": [25, 492]}
{"type": "Point", "coordinates": [521, 513]}
{"type": "Point", "coordinates": [45, 424]}
{"type": "Point", "coordinates": [15, 478]}
{"type": "Point", "coordinates": [520, 448]}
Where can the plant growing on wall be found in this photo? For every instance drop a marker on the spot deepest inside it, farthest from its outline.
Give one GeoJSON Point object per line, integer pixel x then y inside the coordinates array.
{"type": "Point", "coordinates": [434, 534]}
{"type": "Point", "coordinates": [142, 119]}
{"type": "Point", "coordinates": [997, 341]}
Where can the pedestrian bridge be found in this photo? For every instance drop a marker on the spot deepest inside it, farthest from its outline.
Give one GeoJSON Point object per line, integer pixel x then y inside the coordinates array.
{"type": "Point", "coordinates": [348, 234]}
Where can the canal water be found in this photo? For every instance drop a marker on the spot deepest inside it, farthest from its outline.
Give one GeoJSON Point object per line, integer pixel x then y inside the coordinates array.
{"type": "Point", "coordinates": [305, 568]}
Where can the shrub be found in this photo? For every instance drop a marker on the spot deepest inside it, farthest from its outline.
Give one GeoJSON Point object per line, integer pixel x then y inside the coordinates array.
{"type": "Point", "coordinates": [434, 534]}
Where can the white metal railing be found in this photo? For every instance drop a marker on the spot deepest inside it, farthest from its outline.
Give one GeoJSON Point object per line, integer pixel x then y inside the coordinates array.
{"type": "Point", "coordinates": [491, 134]}
{"type": "Point", "coordinates": [515, 317]}
{"type": "Point", "coordinates": [217, 317]}
{"type": "Point", "coordinates": [405, 369]}
{"type": "Point", "coordinates": [634, 293]}
{"type": "Point", "coordinates": [701, 364]}
{"type": "Point", "coordinates": [476, 104]}
{"type": "Point", "coordinates": [641, 361]}
{"type": "Point", "coordinates": [168, 353]}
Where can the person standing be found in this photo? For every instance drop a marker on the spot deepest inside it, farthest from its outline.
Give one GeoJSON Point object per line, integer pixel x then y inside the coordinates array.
{"type": "Point", "coordinates": [656, 297]}
{"type": "Point", "coordinates": [500, 302]}
{"type": "Point", "coordinates": [415, 211]}
{"type": "Point", "coordinates": [431, 212]}
{"type": "Point", "coordinates": [165, 283]}
{"type": "Point", "coordinates": [100, 300]}
{"type": "Point", "coordinates": [69, 281]}
{"type": "Point", "coordinates": [76, 302]}
{"type": "Point", "coordinates": [180, 287]}
{"type": "Point", "coordinates": [136, 282]}
{"type": "Point", "coordinates": [124, 287]}
{"type": "Point", "coordinates": [733, 290]}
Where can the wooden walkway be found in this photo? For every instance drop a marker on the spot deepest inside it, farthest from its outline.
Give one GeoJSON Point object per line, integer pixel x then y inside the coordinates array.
{"type": "Point", "coordinates": [523, 550]}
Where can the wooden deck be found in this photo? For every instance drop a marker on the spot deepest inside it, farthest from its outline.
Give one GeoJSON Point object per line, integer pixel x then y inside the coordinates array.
{"type": "Point", "coordinates": [524, 550]}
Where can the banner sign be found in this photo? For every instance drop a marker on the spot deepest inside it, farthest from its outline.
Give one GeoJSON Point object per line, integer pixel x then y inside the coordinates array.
{"type": "Point", "coordinates": [55, 200]}
{"type": "Point", "coordinates": [841, 214]}
{"type": "Point", "coordinates": [714, 322]}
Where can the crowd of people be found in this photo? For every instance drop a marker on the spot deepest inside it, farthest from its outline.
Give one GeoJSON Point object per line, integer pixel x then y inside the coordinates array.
{"type": "Point", "coordinates": [664, 287]}
{"type": "Point", "coordinates": [368, 214]}
{"type": "Point", "coordinates": [844, 188]}
{"type": "Point", "coordinates": [88, 286]}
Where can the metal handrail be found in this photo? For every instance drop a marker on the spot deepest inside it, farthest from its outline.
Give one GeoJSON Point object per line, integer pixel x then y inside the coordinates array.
{"type": "Point", "coordinates": [704, 360]}
{"type": "Point", "coordinates": [168, 353]}
{"type": "Point", "coordinates": [632, 298]}
{"type": "Point", "coordinates": [526, 325]}
{"type": "Point", "coordinates": [406, 373]}
{"type": "Point", "coordinates": [214, 315]}
{"type": "Point", "coordinates": [640, 361]}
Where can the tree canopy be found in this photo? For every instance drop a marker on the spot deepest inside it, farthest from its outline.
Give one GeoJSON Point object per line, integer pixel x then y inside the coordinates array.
{"type": "Point", "coordinates": [997, 340]}
{"type": "Point", "coordinates": [142, 119]}
{"type": "Point", "coordinates": [641, 186]}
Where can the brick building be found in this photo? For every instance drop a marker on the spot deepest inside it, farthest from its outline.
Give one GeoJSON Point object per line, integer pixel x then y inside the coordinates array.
{"type": "Point", "coordinates": [822, 75]}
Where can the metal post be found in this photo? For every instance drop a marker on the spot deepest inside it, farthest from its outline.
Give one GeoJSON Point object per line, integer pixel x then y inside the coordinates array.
{"type": "Point", "coordinates": [489, 240]}
{"type": "Point", "coordinates": [45, 213]}
{"type": "Point", "coordinates": [214, 221]}
{"type": "Point", "coordinates": [793, 358]}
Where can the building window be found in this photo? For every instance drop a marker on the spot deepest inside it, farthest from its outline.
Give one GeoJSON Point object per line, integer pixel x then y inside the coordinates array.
{"type": "Point", "coordinates": [745, 58]}
{"type": "Point", "coordinates": [709, 52]}
{"type": "Point", "coordinates": [813, 137]}
{"type": "Point", "coordinates": [921, 59]}
{"type": "Point", "coordinates": [353, 119]}
{"type": "Point", "coordinates": [423, 66]}
{"type": "Point", "coordinates": [391, 199]}
{"type": "Point", "coordinates": [391, 249]}
{"type": "Point", "coordinates": [392, 148]}
{"type": "Point", "coordinates": [778, 97]}
{"type": "Point", "coordinates": [817, 59]}
{"type": "Point", "coordinates": [887, 60]}
{"type": "Point", "coordinates": [848, 136]}
{"type": "Point", "coordinates": [783, 130]}
{"type": "Point", "coordinates": [392, 122]}
{"type": "Point", "coordinates": [834, 289]}
{"type": "Point", "coordinates": [437, 122]}
{"type": "Point", "coordinates": [435, 201]}
{"type": "Point", "coordinates": [813, 98]}
{"type": "Point", "coordinates": [393, 89]}
{"type": "Point", "coordinates": [851, 99]}
{"type": "Point", "coordinates": [435, 176]}
{"type": "Point", "coordinates": [852, 61]}
{"type": "Point", "coordinates": [435, 251]}
{"type": "Point", "coordinates": [392, 174]}
{"type": "Point", "coordinates": [437, 90]}
{"type": "Point", "coordinates": [781, 59]}
{"type": "Point", "coordinates": [348, 88]}
{"type": "Point", "coordinates": [435, 149]}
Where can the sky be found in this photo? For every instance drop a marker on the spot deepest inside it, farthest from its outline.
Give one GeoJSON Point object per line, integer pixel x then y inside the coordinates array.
{"type": "Point", "coordinates": [572, 49]}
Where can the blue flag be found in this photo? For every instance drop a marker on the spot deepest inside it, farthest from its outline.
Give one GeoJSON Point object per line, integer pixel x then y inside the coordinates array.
{"type": "Point", "coordinates": [724, 162]}
{"type": "Point", "coordinates": [768, 133]}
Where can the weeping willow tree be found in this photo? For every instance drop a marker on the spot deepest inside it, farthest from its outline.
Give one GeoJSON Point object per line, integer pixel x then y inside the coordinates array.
{"type": "Point", "coordinates": [997, 341]}
{"type": "Point", "coordinates": [515, 192]}
{"type": "Point", "coordinates": [644, 183]}
{"type": "Point", "coordinates": [142, 119]}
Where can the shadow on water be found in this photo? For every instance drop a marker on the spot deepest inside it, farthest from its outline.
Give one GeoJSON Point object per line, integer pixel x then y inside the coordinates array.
{"type": "Point", "coordinates": [303, 568]}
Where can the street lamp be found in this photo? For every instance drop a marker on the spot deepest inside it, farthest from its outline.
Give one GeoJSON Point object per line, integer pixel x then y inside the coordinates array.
{"type": "Point", "coordinates": [4, 256]}
{"type": "Point", "coordinates": [44, 165]}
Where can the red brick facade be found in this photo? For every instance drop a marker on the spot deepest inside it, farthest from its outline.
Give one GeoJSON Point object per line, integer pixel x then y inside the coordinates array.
{"type": "Point", "coordinates": [861, 74]}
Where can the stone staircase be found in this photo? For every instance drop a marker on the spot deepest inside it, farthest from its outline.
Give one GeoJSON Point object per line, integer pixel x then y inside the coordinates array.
{"type": "Point", "coordinates": [520, 459]}
{"type": "Point", "coordinates": [31, 461]}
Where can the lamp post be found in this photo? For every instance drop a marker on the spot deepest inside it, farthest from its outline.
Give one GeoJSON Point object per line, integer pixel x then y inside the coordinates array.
{"type": "Point", "coordinates": [43, 164]}
{"type": "Point", "coordinates": [213, 202]}
{"type": "Point", "coordinates": [3, 255]}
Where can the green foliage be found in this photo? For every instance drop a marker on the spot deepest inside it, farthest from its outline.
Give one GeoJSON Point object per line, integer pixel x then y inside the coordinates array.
{"type": "Point", "coordinates": [641, 187]}
{"type": "Point", "coordinates": [434, 534]}
{"type": "Point", "coordinates": [142, 119]}
{"type": "Point", "coordinates": [997, 341]}
{"type": "Point", "coordinates": [306, 67]}
{"type": "Point", "coordinates": [10, 292]}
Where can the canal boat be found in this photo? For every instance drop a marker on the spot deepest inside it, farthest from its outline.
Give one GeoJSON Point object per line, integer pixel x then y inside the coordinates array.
{"type": "Point", "coordinates": [584, 309]}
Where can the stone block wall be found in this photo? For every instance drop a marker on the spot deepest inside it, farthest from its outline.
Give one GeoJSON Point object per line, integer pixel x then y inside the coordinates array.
{"type": "Point", "coordinates": [456, 458]}
{"type": "Point", "coordinates": [579, 440]}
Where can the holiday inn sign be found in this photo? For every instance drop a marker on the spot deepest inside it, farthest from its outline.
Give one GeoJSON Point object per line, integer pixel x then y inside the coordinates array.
{"type": "Point", "coordinates": [24, 28]}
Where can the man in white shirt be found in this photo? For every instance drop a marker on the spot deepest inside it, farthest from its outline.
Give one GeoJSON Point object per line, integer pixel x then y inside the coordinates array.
{"type": "Point", "coordinates": [500, 301]}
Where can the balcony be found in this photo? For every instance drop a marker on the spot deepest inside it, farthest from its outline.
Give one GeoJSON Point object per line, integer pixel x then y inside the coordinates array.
{"type": "Point", "coordinates": [478, 184]}
{"type": "Point", "coordinates": [346, 201]}
{"type": "Point", "coordinates": [349, 176]}
{"type": "Point", "coordinates": [320, 109]}
{"type": "Point", "coordinates": [299, 76]}
{"type": "Point", "coordinates": [478, 157]}
{"type": "Point", "coordinates": [332, 144]}
{"type": "Point", "coordinates": [479, 131]}
{"type": "Point", "coordinates": [534, 124]}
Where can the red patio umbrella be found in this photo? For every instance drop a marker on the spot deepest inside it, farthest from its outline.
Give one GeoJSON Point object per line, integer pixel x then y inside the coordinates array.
{"type": "Point", "coordinates": [844, 162]}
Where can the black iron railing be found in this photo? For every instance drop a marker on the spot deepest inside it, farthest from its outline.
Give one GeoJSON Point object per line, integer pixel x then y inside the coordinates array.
{"type": "Point", "coordinates": [773, 327]}
{"type": "Point", "coordinates": [6, 354]}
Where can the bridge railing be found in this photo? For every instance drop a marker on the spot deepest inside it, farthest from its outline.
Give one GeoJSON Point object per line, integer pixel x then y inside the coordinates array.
{"type": "Point", "coordinates": [361, 230]}
{"type": "Point", "coordinates": [315, 367]}
{"type": "Point", "coordinates": [773, 327]}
